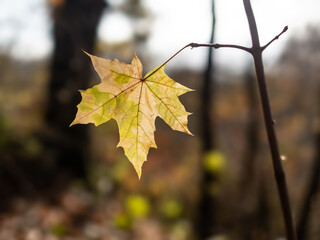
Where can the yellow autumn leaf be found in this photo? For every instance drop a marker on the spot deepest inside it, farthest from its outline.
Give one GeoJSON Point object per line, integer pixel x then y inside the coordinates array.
{"type": "Point", "coordinates": [134, 102]}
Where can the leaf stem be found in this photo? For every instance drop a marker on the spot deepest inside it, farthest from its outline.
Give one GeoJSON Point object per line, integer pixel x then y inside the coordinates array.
{"type": "Point", "coordinates": [157, 69]}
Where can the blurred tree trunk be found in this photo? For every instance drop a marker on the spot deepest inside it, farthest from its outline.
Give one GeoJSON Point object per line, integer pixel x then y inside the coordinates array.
{"type": "Point", "coordinates": [205, 221]}
{"type": "Point", "coordinates": [75, 26]}
{"type": "Point", "coordinates": [312, 190]}
{"type": "Point", "coordinates": [248, 209]}
{"type": "Point", "coordinates": [252, 134]}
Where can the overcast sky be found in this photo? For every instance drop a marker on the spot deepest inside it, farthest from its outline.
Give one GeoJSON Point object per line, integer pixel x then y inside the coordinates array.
{"type": "Point", "coordinates": [231, 26]}
{"type": "Point", "coordinates": [25, 27]}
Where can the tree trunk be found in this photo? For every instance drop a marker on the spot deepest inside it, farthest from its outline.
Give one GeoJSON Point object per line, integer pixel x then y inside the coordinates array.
{"type": "Point", "coordinates": [75, 28]}
{"type": "Point", "coordinates": [205, 220]}
{"type": "Point", "coordinates": [311, 193]}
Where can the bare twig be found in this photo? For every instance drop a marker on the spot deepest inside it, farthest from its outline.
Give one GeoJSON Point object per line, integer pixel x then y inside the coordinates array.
{"type": "Point", "coordinates": [217, 45]}
{"type": "Point", "coordinates": [278, 170]}
{"type": "Point", "coordinates": [275, 38]}
{"type": "Point", "coordinates": [195, 45]}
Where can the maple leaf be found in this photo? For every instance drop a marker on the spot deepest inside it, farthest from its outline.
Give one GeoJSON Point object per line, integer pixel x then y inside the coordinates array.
{"type": "Point", "coordinates": [134, 102]}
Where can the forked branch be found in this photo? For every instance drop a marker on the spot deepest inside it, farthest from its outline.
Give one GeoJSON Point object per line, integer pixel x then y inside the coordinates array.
{"type": "Point", "coordinates": [275, 38]}
{"type": "Point", "coordinates": [274, 148]}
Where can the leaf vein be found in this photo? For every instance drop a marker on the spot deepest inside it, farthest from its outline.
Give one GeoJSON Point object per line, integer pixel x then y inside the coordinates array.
{"type": "Point", "coordinates": [168, 109]}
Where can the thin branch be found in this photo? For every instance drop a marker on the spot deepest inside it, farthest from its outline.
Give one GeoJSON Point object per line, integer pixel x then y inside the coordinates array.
{"type": "Point", "coordinates": [274, 148]}
{"type": "Point", "coordinates": [217, 45]}
{"type": "Point", "coordinates": [275, 38]}
{"type": "Point", "coordinates": [195, 45]}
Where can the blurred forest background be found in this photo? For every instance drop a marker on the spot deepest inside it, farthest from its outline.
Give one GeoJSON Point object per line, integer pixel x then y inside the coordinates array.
{"type": "Point", "coordinates": [73, 183]}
